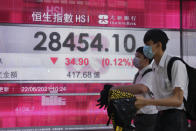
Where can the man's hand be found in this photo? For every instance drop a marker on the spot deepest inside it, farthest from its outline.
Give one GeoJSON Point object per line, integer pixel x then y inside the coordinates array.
{"type": "Point", "coordinates": [140, 102]}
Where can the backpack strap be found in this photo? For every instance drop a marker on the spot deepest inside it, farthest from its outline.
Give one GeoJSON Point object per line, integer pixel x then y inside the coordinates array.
{"type": "Point", "coordinates": [136, 75]}
{"type": "Point", "coordinates": [170, 64]}
{"type": "Point", "coordinates": [146, 71]}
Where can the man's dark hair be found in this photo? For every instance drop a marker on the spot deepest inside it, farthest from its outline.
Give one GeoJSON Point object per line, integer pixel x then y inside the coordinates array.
{"type": "Point", "coordinates": [156, 35]}
{"type": "Point", "coordinates": [140, 50]}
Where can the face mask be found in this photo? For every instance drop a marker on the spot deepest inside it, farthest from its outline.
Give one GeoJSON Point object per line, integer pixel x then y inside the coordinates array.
{"type": "Point", "coordinates": [147, 50]}
{"type": "Point", "coordinates": [136, 62]}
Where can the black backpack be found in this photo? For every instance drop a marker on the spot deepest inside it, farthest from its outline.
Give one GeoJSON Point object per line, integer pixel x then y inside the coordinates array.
{"type": "Point", "coordinates": [190, 103]}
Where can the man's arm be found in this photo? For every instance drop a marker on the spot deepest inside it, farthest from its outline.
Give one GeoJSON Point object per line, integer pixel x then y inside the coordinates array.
{"type": "Point", "coordinates": [135, 89]}
{"type": "Point", "coordinates": [175, 100]}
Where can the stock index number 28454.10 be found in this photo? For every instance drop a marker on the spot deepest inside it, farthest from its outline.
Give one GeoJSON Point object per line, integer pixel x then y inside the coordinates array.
{"type": "Point", "coordinates": [53, 42]}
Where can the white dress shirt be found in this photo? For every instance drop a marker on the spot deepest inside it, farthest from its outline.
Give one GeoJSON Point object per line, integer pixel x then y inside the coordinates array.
{"type": "Point", "coordinates": [163, 88]}
{"type": "Point", "coordinates": [147, 81]}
